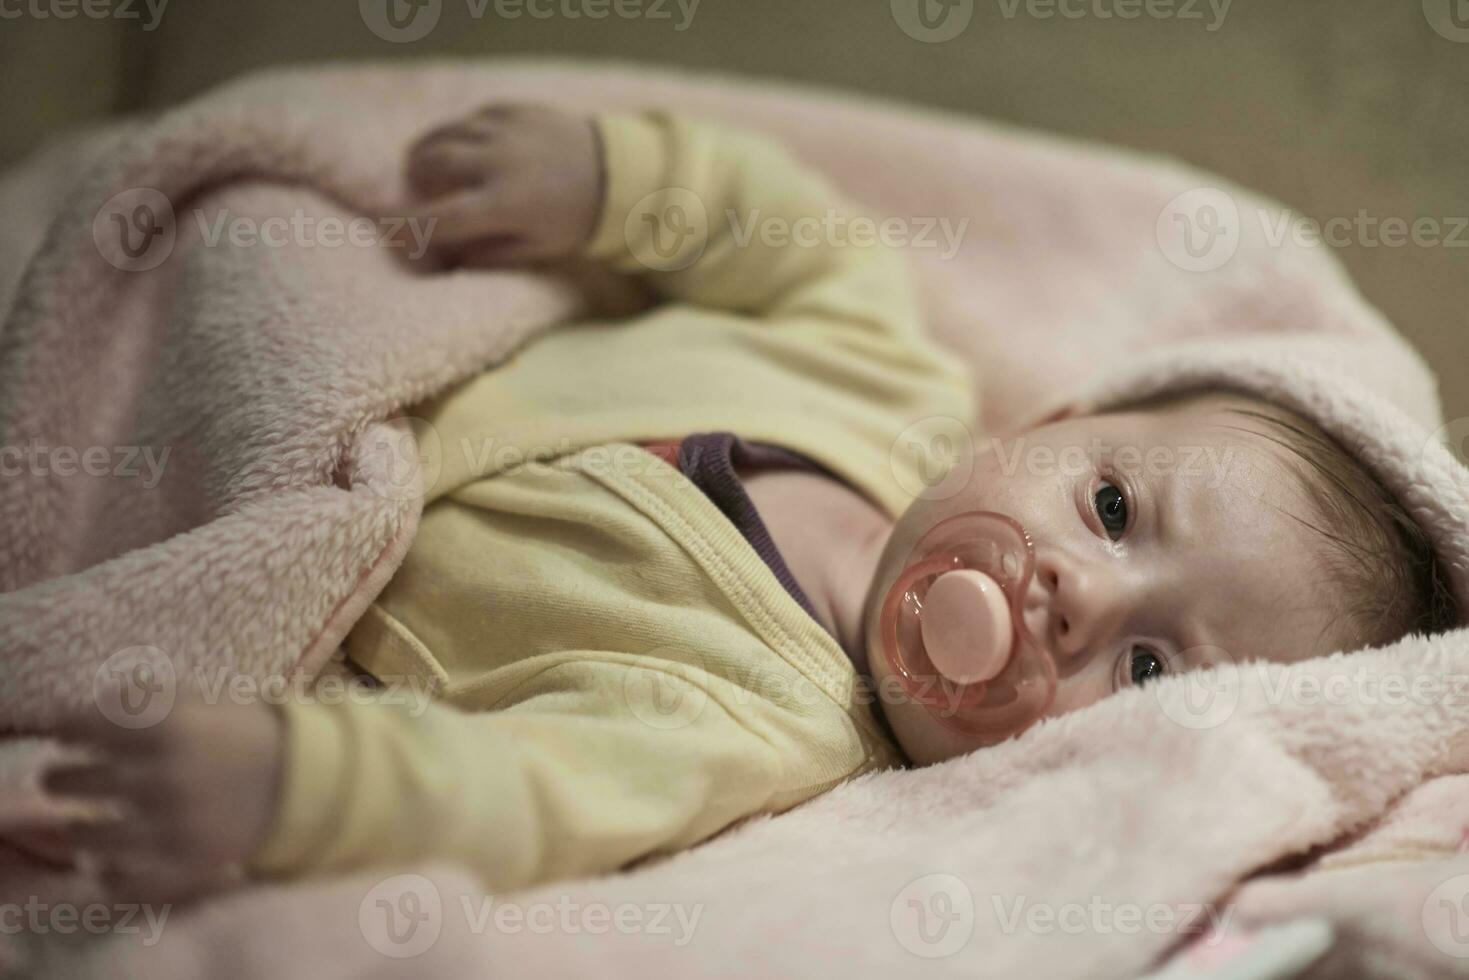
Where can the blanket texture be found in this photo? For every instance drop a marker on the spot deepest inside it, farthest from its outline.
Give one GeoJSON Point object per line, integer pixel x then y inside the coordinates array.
{"type": "Point", "coordinates": [1176, 820]}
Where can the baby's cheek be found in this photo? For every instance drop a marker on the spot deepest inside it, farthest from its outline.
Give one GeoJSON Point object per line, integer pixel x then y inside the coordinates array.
{"type": "Point", "coordinates": [1084, 688]}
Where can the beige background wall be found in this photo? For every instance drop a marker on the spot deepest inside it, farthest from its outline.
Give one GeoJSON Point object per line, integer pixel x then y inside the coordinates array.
{"type": "Point", "coordinates": [1334, 106]}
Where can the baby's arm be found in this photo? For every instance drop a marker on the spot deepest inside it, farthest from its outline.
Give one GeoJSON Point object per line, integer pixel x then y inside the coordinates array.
{"type": "Point", "coordinates": [588, 770]}
{"type": "Point", "coordinates": [164, 811]}
{"type": "Point", "coordinates": [708, 215]}
{"type": "Point", "coordinates": [593, 763]}
{"type": "Point", "coordinates": [724, 219]}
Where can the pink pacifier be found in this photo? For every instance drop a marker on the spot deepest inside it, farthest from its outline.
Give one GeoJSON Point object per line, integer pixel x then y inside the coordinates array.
{"type": "Point", "coordinates": [954, 632]}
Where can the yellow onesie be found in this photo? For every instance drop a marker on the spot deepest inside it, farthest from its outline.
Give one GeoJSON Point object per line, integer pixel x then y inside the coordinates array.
{"type": "Point", "coordinates": [616, 672]}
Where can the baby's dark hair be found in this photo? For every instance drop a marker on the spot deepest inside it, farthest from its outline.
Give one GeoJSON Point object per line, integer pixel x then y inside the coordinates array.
{"type": "Point", "coordinates": [1387, 580]}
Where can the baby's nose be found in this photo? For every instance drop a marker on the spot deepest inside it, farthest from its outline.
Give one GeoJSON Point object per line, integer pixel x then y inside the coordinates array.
{"type": "Point", "coordinates": [1071, 606]}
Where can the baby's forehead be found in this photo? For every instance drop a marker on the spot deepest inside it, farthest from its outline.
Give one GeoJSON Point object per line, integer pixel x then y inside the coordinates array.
{"type": "Point", "coordinates": [1215, 440]}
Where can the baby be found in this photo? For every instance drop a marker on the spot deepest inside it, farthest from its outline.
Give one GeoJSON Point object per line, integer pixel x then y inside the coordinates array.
{"type": "Point", "coordinates": [647, 585]}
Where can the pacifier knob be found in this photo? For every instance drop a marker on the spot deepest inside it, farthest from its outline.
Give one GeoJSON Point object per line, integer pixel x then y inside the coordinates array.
{"type": "Point", "coordinates": [966, 626]}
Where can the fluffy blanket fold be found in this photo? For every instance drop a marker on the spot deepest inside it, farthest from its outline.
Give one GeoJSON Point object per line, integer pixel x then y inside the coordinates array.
{"type": "Point", "coordinates": [204, 480]}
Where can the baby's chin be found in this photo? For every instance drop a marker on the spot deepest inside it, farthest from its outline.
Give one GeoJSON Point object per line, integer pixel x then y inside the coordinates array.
{"type": "Point", "coordinates": [922, 738]}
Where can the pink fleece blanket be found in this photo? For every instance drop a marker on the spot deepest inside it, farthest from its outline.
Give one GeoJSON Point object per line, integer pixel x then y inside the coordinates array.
{"type": "Point", "coordinates": [1184, 817]}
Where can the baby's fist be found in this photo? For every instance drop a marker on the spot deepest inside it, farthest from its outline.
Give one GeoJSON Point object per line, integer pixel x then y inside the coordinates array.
{"type": "Point", "coordinates": [509, 184]}
{"type": "Point", "coordinates": [174, 806]}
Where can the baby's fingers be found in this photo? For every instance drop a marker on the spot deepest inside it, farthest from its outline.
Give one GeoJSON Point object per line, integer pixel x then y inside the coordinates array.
{"type": "Point", "coordinates": [48, 843]}
{"type": "Point", "coordinates": [440, 165]}
{"type": "Point", "coordinates": [478, 128]}
{"type": "Point", "coordinates": [454, 222]}
{"type": "Point", "coordinates": [124, 839]}
{"type": "Point", "coordinates": [89, 780]}
{"type": "Point", "coordinates": [108, 829]}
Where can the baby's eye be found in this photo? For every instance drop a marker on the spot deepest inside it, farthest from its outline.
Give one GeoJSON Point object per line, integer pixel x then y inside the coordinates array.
{"type": "Point", "coordinates": [1145, 665]}
{"type": "Point", "coordinates": [1112, 509]}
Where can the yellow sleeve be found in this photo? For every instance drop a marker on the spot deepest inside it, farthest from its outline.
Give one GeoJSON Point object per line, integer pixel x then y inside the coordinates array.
{"type": "Point", "coordinates": [723, 219]}
{"type": "Point", "coordinates": [596, 764]}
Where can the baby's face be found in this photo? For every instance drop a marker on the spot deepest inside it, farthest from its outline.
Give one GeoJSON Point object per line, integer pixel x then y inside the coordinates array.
{"type": "Point", "coordinates": [1164, 541]}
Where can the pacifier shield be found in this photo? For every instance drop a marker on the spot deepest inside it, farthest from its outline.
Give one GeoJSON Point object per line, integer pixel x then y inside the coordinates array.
{"type": "Point", "coordinates": [954, 633]}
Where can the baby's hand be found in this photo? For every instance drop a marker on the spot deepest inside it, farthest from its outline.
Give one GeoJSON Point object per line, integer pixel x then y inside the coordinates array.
{"type": "Point", "coordinates": [179, 805]}
{"type": "Point", "coordinates": [509, 184]}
